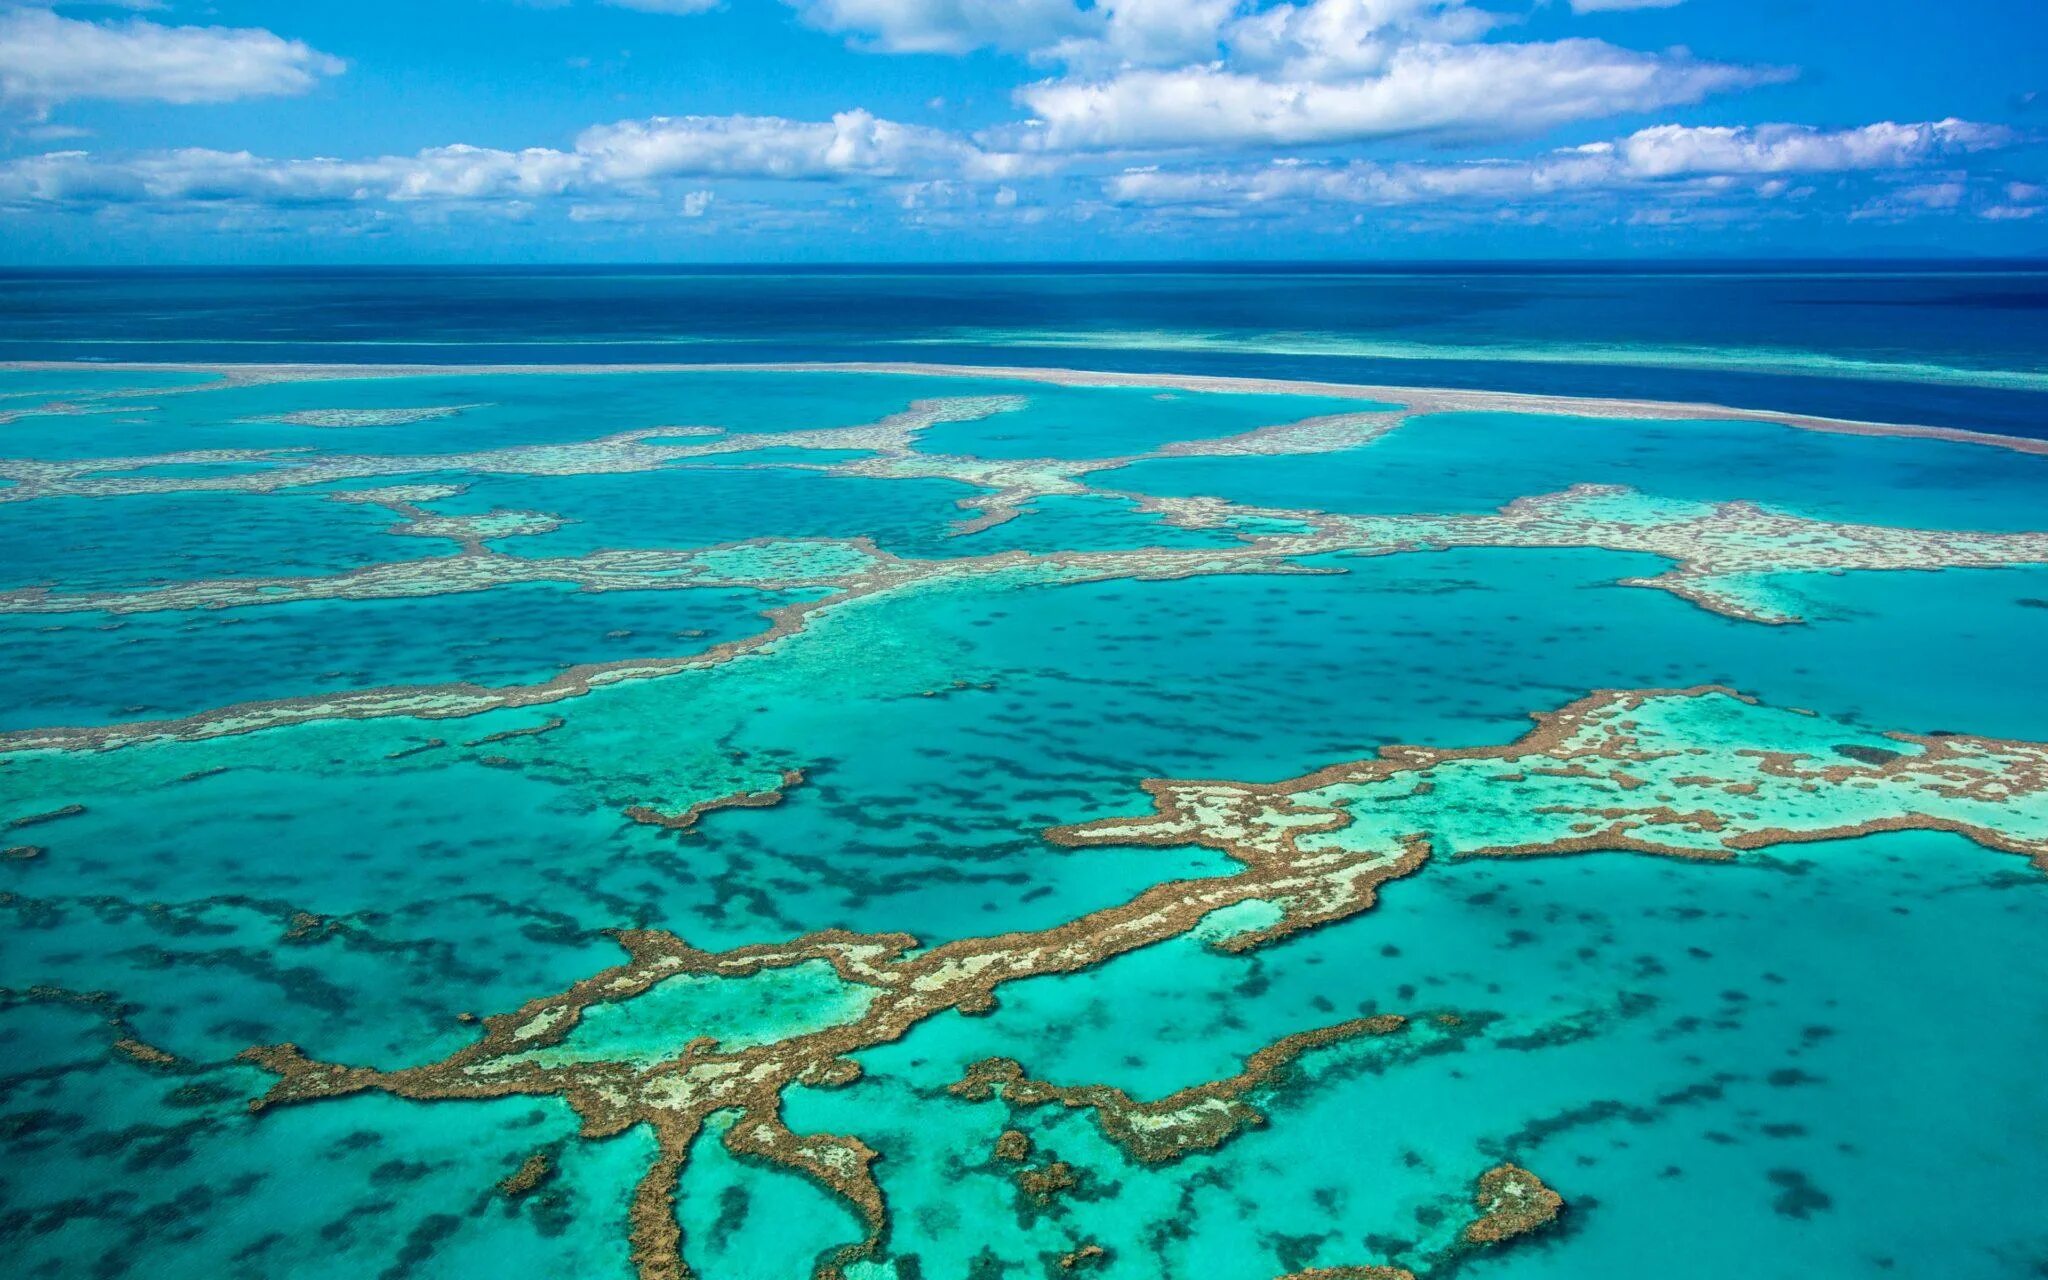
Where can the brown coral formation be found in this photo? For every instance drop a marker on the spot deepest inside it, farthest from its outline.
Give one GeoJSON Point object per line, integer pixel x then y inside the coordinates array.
{"type": "Point", "coordinates": [1512, 1202]}
{"type": "Point", "coordinates": [1047, 1181]}
{"type": "Point", "coordinates": [147, 1054]}
{"type": "Point", "coordinates": [688, 819]}
{"type": "Point", "coordinates": [126, 1041]}
{"type": "Point", "coordinates": [304, 926]}
{"type": "Point", "coordinates": [53, 815]}
{"type": "Point", "coordinates": [547, 726]}
{"type": "Point", "coordinates": [1200, 1117]}
{"type": "Point", "coordinates": [1013, 1145]}
{"type": "Point", "coordinates": [1595, 740]}
{"type": "Point", "coordinates": [676, 1097]}
{"type": "Point", "coordinates": [1301, 881]}
{"type": "Point", "coordinates": [530, 1174]}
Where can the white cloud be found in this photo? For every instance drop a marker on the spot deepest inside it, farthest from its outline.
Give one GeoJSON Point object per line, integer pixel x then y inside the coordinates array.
{"type": "Point", "coordinates": [1331, 40]}
{"type": "Point", "coordinates": [46, 59]}
{"type": "Point", "coordinates": [1102, 35]}
{"type": "Point", "coordinates": [850, 144]}
{"type": "Point", "coordinates": [1464, 92]}
{"type": "Point", "coordinates": [1933, 195]}
{"type": "Point", "coordinates": [1291, 184]}
{"type": "Point", "coordinates": [1145, 33]}
{"type": "Point", "coordinates": [197, 175]}
{"type": "Point", "coordinates": [641, 169]}
{"type": "Point", "coordinates": [946, 26]}
{"type": "Point", "coordinates": [630, 160]}
{"type": "Point", "coordinates": [1784, 148]}
{"type": "Point", "coordinates": [1163, 74]}
{"type": "Point", "coordinates": [1670, 158]}
{"type": "Point", "coordinates": [1956, 192]}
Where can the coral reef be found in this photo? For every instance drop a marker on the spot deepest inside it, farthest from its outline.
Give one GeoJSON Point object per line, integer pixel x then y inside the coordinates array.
{"type": "Point", "coordinates": [1600, 774]}
{"type": "Point", "coordinates": [1199, 1117]}
{"type": "Point", "coordinates": [1512, 1202]}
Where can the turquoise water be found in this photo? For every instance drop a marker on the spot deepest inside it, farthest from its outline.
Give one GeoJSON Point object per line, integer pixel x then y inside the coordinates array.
{"type": "Point", "coordinates": [78, 544]}
{"type": "Point", "coordinates": [704, 505]}
{"type": "Point", "coordinates": [1815, 1058]}
{"type": "Point", "coordinates": [1108, 422]}
{"type": "Point", "coordinates": [1480, 461]}
{"type": "Point", "coordinates": [77, 668]}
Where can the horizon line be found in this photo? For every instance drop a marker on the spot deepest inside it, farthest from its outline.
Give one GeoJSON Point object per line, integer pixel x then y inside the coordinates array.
{"type": "Point", "coordinates": [1832, 263]}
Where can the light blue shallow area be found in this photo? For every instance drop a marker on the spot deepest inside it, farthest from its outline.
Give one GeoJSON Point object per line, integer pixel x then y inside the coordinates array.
{"type": "Point", "coordinates": [1061, 522]}
{"type": "Point", "coordinates": [702, 506]}
{"type": "Point", "coordinates": [1466, 462]}
{"type": "Point", "coordinates": [1109, 422]}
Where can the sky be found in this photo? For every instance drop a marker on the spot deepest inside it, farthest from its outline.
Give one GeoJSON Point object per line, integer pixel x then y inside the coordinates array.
{"type": "Point", "coordinates": [510, 131]}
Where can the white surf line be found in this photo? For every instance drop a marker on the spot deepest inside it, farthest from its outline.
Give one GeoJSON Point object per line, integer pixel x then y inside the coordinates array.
{"type": "Point", "coordinates": [1414, 399]}
{"type": "Point", "coordinates": [1764, 361]}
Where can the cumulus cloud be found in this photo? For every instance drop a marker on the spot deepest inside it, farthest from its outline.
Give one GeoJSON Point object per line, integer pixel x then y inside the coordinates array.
{"type": "Point", "coordinates": [1144, 33]}
{"type": "Point", "coordinates": [1177, 94]}
{"type": "Point", "coordinates": [852, 143]}
{"type": "Point", "coordinates": [947, 26]}
{"type": "Point", "coordinates": [1139, 74]}
{"type": "Point", "coordinates": [1333, 39]}
{"type": "Point", "coordinates": [630, 159]}
{"type": "Point", "coordinates": [1105, 34]}
{"type": "Point", "coordinates": [46, 59]}
{"type": "Point", "coordinates": [1462, 92]}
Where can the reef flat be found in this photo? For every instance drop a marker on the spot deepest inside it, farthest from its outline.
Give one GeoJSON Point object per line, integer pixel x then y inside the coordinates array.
{"type": "Point", "coordinates": [1420, 399]}
{"type": "Point", "coordinates": [1054, 823]}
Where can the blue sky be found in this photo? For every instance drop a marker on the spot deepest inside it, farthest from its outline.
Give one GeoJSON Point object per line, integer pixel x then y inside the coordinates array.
{"type": "Point", "coordinates": [166, 131]}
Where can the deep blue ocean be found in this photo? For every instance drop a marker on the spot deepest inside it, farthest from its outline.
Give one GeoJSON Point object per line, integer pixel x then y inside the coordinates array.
{"type": "Point", "coordinates": [1893, 342]}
